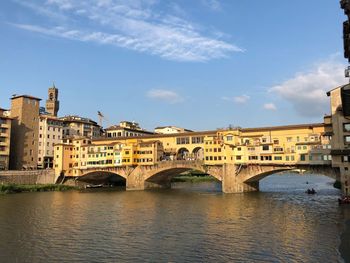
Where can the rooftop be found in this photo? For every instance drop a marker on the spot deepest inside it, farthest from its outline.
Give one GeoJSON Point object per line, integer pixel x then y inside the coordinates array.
{"type": "Point", "coordinates": [25, 96]}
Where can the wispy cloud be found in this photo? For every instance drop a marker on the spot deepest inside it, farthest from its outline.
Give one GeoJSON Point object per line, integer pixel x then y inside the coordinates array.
{"type": "Point", "coordinates": [132, 24]}
{"type": "Point", "coordinates": [270, 106]}
{"type": "Point", "coordinates": [214, 5]}
{"type": "Point", "coordinates": [165, 96]}
{"type": "Point", "coordinates": [306, 91]}
{"type": "Point", "coordinates": [238, 99]}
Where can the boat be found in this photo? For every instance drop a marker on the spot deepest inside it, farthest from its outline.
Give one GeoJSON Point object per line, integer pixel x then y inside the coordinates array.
{"type": "Point", "coordinates": [311, 191]}
{"type": "Point", "coordinates": [94, 186]}
{"type": "Point", "coordinates": [344, 200]}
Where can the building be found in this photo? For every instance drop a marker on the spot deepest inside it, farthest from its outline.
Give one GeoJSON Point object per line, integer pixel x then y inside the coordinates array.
{"type": "Point", "coordinates": [5, 139]}
{"type": "Point", "coordinates": [24, 132]}
{"type": "Point", "coordinates": [126, 129]}
{"type": "Point", "coordinates": [52, 103]}
{"type": "Point", "coordinates": [79, 154]}
{"type": "Point", "coordinates": [340, 133]}
{"type": "Point", "coordinates": [170, 130]}
{"type": "Point", "coordinates": [50, 133]}
{"type": "Point", "coordinates": [78, 126]}
{"type": "Point", "coordinates": [305, 144]}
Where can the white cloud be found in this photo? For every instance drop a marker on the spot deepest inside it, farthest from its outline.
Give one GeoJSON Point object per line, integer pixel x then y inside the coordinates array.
{"type": "Point", "coordinates": [238, 99]}
{"type": "Point", "coordinates": [132, 24]}
{"type": "Point", "coordinates": [270, 106]}
{"type": "Point", "coordinates": [306, 91]}
{"type": "Point", "coordinates": [214, 5]}
{"type": "Point", "coordinates": [165, 95]}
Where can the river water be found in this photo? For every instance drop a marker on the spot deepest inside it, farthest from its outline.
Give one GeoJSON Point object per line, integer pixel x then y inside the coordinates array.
{"type": "Point", "coordinates": [189, 223]}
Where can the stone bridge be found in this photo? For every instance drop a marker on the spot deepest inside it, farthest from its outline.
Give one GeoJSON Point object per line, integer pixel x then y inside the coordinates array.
{"type": "Point", "coordinates": [234, 178]}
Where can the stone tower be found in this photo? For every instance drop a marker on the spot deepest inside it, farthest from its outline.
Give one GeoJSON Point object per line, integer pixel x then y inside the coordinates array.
{"type": "Point", "coordinates": [24, 132]}
{"type": "Point", "coordinates": [52, 103]}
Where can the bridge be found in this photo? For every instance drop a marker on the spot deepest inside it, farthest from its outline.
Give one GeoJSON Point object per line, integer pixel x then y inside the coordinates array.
{"type": "Point", "coordinates": [234, 178]}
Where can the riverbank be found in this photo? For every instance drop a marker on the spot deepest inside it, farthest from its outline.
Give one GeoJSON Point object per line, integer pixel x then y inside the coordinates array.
{"type": "Point", "coordinates": [193, 179]}
{"type": "Point", "coordinates": [345, 243]}
{"type": "Point", "coordinates": [22, 188]}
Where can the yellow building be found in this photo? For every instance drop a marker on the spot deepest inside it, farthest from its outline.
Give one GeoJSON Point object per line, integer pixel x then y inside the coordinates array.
{"type": "Point", "coordinates": [281, 145]}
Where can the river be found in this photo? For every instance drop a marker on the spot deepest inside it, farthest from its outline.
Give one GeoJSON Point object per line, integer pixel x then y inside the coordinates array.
{"type": "Point", "coordinates": [188, 223]}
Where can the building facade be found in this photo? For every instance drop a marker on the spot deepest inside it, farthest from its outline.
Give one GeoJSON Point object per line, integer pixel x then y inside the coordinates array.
{"type": "Point", "coordinates": [78, 126]}
{"type": "Point", "coordinates": [24, 132]}
{"type": "Point", "coordinates": [5, 139]}
{"type": "Point", "coordinates": [284, 145]}
{"type": "Point", "coordinates": [170, 130]}
{"type": "Point", "coordinates": [126, 129]}
{"type": "Point", "coordinates": [340, 132]}
{"type": "Point", "coordinates": [50, 133]}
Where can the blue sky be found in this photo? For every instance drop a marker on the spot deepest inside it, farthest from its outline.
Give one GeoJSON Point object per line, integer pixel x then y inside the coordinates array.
{"type": "Point", "coordinates": [199, 64]}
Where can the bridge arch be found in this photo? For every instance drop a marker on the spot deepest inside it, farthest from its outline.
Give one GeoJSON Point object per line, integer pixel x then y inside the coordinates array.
{"type": "Point", "coordinates": [162, 175]}
{"type": "Point", "coordinates": [198, 153]}
{"type": "Point", "coordinates": [253, 175]}
{"type": "Point", "coordinates": [103, 177]}
{"type": "Point", "coordinates": [182, 153]}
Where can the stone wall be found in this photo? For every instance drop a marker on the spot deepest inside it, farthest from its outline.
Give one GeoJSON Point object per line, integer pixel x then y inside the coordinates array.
{"type": "Point", "coordinates": [28, 177]}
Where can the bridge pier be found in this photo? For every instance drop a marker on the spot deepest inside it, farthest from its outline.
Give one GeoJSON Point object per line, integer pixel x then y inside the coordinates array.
{"type": "Point", "coordinates": [232, 182]}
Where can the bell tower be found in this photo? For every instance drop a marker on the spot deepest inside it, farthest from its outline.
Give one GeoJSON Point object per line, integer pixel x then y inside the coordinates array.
{"type": "Point", "coordinates": [52, 103]}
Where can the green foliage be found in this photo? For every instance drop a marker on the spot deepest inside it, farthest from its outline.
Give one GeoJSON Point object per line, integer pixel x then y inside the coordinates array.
{"type": "Point", "coordinates": [193, 179]}
{"type": "Point", "coordinates": [16, 188]}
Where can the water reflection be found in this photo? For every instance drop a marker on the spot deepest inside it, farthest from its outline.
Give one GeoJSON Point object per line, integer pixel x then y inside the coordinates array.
{"type": "Point", "coordinates": [191, 222]}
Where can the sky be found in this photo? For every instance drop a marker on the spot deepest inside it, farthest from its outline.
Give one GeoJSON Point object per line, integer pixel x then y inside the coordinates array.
{"type": "Point", "coordinates": [199, 64]}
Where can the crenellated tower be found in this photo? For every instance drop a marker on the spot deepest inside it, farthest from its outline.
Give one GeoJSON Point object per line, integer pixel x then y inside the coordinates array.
{"type": "Point", "coordinates": [52, 103]}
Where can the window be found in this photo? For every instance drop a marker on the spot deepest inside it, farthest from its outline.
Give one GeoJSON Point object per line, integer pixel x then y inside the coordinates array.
{"type": "Point", "coordinates": [238, 157]}
{"type": "Point", "coordinates": [347, 139]}
{"type": "Point", "coordinates": [278, 158]}
{"type": "Point", "coordinates": [302, 157]}
{"type": "Point", "coordinates": [239, 148]}
{"type": "Point", "coordinates": [197, 140]}
{"type": "Point", "coordinates": [229, 138]}
{"type": "Point", "coordinates": [289, 139]}
{"type": "Point", "coordinates": [347, 127]}
{"type": "Point", "coordinates": [266, 147]}
{"type": "Point", "coordinates": [183, 140]}
{"type": "Point", "coordinates": [287, 158]}
{"type": "Point", "coordinates": [276, 141]}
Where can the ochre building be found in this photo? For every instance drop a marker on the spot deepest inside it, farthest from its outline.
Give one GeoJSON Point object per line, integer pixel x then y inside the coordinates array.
{"type": "Point", "coordinates": [281, 145]}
